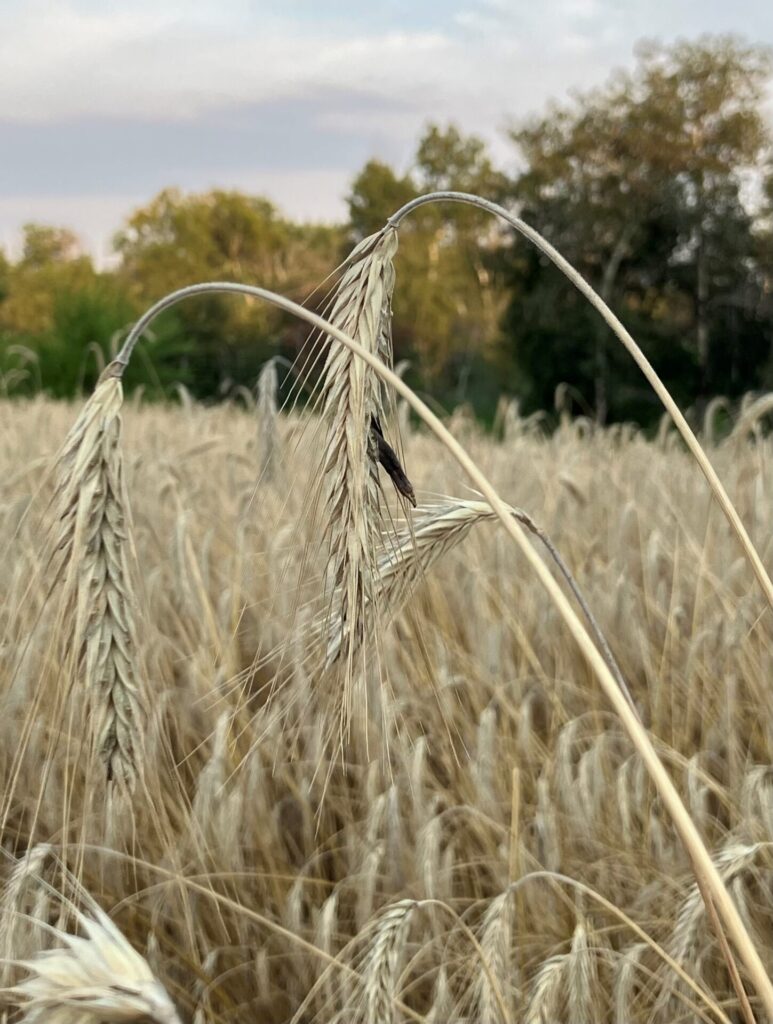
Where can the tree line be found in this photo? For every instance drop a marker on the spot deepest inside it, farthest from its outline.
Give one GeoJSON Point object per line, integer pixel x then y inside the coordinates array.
{"type": "Point", "coordinates": [658, 187]}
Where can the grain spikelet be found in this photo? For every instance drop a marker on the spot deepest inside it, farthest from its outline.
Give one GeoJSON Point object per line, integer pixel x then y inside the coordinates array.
{"type": "Point", "coordinates": [383, 963]}
{"type": "Point", "coordinates": [546, 827]}
{"type": "Point", "coordinates": [547, 993]}
{"type": "Point", "coordinates": [368, 883]}
{"type": "Point", "coordinates": [485, 760]}
{"type": "Point", "coordinates": [434, 531]}
{"type": "Point", "coordinates": [212, 778]}
{"type": "Point", "coordinates": [325, 938]}
{"type": "Point", "coordinates": [406, 558]}
{"type": "Point", "coordinates": [91, 555]}
{"type": "Point", "coordinates": [268, 422]}
{"type": "Point", "coordinates": [203, 984]}
{"type": "Point", "coordinates": [690, 939]}
{"type": "Point", "coordinates": [582, 978]}
{"type": "Point", "coordinates": [687, 939]}
{"type": "Point", "coordinates": [428, 851]}
{"type": "Point", "coordinates": [757, 800]}
{"type": "Point", "coordinates": [353, 404]}
{"type": "Point", "coordinates": [495, 943]}
{"type": "Point", "coordinates": [96, 978]}
{"type": "Point", "coordinates": [442, 1004]}
{"type": "Point", "coordinates": [15, 893]}
{"type": "Point", "coordinates": [624, 982]}
{"type": "Point", "coordinates": [750, 417]}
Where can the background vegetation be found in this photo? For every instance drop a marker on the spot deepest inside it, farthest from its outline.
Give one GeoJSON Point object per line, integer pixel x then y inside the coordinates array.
{"type": "Point", "coordinates": [658, 186]}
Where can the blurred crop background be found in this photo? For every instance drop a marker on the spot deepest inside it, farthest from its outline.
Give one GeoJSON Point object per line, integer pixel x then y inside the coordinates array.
{"type": "Point", "coordinates": [501, 800]}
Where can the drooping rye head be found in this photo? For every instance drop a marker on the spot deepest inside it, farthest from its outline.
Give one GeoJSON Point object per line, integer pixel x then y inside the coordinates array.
{"type": "Point", "coordinates": [90, 556]}
{"type": "Point", "coordinates": [353, 400]}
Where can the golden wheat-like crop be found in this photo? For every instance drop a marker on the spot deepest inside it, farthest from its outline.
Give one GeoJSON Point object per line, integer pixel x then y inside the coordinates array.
{"type": "Point", "coordinates": [500, 854]}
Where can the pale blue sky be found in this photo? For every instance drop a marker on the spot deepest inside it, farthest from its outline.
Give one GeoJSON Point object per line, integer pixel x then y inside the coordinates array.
{"type": "Point", "coordinates": [104, 103]}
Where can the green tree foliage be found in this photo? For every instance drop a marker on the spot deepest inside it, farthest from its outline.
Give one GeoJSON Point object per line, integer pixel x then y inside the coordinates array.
{"type": "Point", "coordinates": [449, 303]}
{"type": "Point", "coordinates": [376, 193]}
{"type": "Point", "coordinates": [51, 263]}
{"type": "Point", "coordinates": [44, 246]}
{"type": "Point", "coordinates": [658, 186]}
{"type": "Point", "coordinates": [56, 306]}
{"type": "Point", "coordinates": [5, 275]}
{"type": "Point", "coordinates": [178, 239]}
{"type": "Point", "coordinates": [640, 184]}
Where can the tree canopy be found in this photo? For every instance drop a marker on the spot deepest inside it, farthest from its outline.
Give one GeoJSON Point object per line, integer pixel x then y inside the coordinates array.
{"type": "Point", "coordinates": [641, 185]}
{"type": "Point", "coordinates": [657, 186]}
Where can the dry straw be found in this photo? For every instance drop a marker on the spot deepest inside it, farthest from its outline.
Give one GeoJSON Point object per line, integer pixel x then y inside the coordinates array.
{"type": "Point", "coordinates": [471, 857]}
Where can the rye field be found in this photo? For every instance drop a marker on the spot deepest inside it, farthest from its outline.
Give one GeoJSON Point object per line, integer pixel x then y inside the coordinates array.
{"type": "Point", "coordinates": [335, 712]}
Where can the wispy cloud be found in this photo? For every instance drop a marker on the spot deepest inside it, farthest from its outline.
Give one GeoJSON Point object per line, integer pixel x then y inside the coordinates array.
{"type": "Point", "coordinates": [118, 100]}
{"type": "Point", "coordinates": [161, 61]}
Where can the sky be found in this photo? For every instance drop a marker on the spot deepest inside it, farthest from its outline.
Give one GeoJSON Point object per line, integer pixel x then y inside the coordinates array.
{"type": "Point", "coordinates": [105, 102]}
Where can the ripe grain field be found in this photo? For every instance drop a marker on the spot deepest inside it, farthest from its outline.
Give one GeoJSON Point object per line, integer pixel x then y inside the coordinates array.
{"type": "Point", "coordinates": [501, 760]}
{"type": "Point", "coordinates": [324, 756]}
